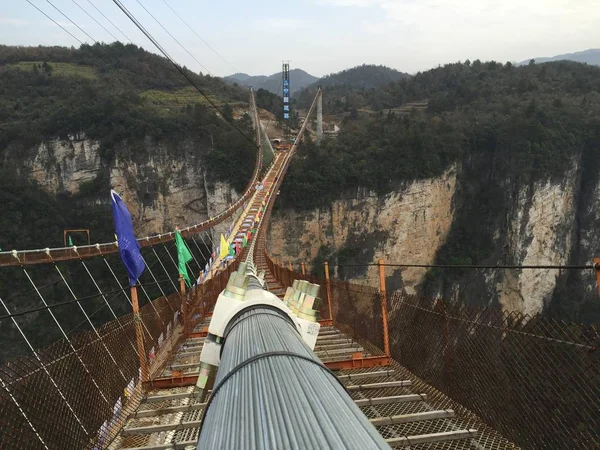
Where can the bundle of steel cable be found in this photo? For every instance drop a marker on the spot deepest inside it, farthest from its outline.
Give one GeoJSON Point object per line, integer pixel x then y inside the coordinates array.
{"type": "Point", "coordinates": [272, 392]}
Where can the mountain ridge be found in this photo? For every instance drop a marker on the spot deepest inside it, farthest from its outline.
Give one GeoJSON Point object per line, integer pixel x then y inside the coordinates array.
{"type": "Point", "coordinates": [365, 76]}
{"type": "Point", "coordinates": [298, 79]}
{"type": "Point", "coordinates": [590, 56]}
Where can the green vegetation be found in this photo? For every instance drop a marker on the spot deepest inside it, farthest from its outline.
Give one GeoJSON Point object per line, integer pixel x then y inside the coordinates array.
{"type": "Point", "coordinates": [365, 76]}
{"type": "Point", "coordinates": [59, 69]}
{"type": "Point", "coordinates": [359, 87]}
{"type": "Point", "coordinates": [503, 127]}
{"type": "Point", "coordinates": [524, 123]}
{"type": "Point", "coordinates": [269, 102]}
{"type": "Point", "coordinates": [116, 94]}
{"type": "Point", "coordinates": [127, 100]}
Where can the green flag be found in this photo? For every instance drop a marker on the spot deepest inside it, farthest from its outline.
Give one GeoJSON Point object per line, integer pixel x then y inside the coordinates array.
{"type": "Point", "coordinates": [232, 250]}
{"type": "Point", "coordinates": [183, 256]}
{"type": "Point", "coordinates": [71, 242]}
{"type": "Point", "coordinates": [245, 241]}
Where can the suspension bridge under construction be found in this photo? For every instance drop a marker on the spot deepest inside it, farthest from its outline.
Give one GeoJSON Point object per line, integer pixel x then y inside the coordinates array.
{"type": "Point", "coordinates": [258, 354]}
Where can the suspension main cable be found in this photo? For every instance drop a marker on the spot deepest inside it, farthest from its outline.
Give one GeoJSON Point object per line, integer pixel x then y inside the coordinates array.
{"type": "Point", "coordinates": [475, 266]}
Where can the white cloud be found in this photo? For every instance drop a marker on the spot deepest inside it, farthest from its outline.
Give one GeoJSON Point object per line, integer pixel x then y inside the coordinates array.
{"type": "Point", "coordinates": [12, 21]}
{"type": "Point", "coordinates": [60, 22]}
{"type": "Point", "coordinates": [277, 24]}
{"type": "Point", "coordinates": [418, 34]}
{"type": "Point", "coordinates": [357, 3]}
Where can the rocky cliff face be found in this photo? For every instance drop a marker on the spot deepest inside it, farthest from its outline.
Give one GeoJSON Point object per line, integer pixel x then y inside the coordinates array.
{"type": "Point", "coordinates": [545, 222]}
{"type": "Point", "coordinates": [163, 185]}
{"type": "Point", "coordinates": [540, 232]}
{"type": "Point", "coordinates": [406, 225]}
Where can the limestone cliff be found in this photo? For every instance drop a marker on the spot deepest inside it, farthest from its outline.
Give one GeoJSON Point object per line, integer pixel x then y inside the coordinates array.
{"type": "Point", "coordinates": [163, 185]}
{"type": "Point", "coordinates": [550, 222]}
{"type": "Point", "coordinates": [408, 224]}
{"type": "Point", "coordinates": [540, 232]}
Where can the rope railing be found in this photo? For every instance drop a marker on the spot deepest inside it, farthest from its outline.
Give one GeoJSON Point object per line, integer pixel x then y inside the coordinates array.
{"type": "Point", "coordinates": [41, 256]}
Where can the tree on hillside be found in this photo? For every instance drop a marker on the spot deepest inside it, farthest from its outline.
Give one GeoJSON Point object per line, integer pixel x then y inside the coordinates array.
{"type": "Point", "coordinates": [227, 112]}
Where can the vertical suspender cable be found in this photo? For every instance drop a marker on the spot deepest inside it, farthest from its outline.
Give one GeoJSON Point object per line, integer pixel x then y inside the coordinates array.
{"type": "Point", "coordinates": [14, 400]}
{"type": "Point", "coordinates": [44, 368]}
{"type": "Point", "coordinates": [90, 322]}
{"type": "Point", "coordinates": [124, 292]}
{"type": "Point", "coordinates": [107, 303]}
{"type": "Point", "coordinates": [164, 269]}
{"type": "Point", "coordinates": [65, 336]}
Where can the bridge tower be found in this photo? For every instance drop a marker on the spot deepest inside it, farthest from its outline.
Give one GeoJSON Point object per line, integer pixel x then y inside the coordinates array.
{"type": "Point", "coordinates": [319, 115]}
{"type": "Point", "coordinates": [286, 101]}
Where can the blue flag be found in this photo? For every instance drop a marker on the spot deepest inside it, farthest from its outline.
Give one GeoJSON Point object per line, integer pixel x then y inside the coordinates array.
{"type": "Point", "coordinates": [129, 249]}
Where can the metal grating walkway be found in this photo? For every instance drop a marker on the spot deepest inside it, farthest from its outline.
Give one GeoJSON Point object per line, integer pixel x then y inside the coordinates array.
{"type": "Point", "coordinates": [170, 418]}
{"type": "Point", "coordinates": [406, 411]}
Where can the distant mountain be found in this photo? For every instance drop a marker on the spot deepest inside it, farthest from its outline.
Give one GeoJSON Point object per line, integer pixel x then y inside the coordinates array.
{"type": "Point", "coordinates": [239, 77]}
{"type": "Point", "coordinates": [362, 77]}
{"type": "Point", "coordinates": [298, 80]}
{"type": "Point", "coordinates": [591, 56]}
{"type": "Point", "coordinates": [352, 88]}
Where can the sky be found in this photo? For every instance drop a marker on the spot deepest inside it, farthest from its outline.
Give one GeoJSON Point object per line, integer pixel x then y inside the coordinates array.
{"type": "Point", "coordinates": [319, 36]}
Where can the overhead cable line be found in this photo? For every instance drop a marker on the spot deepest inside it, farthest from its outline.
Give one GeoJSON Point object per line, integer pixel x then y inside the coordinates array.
{"type": "Point", "coordinates": [183, 72]}
{"type": "Point", "coordinates": [67, 17]}
{"type": "Point", "coordinates": [173, 37]}
{"type": "Point", "coordinates": [96, 42]}
{"type": "Point", "coordinates": [109, 21]}
{"type": "Point", "coordinates": [94, 19]}
{"type": "Point", "coordinates": [163, 51]}
{"type": "Point", "coordinates": [475, 266]}
{"type": "Point", "coordinates": [199, 37]}
{"type": "Point", "coordinates": [56, 23]}
{"type": "Point", "coordinates": [91, 48]}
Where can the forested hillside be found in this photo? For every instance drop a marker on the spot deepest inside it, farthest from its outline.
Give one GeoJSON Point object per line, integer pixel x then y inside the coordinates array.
{"type": "Point", "coordinates": [530, 120]}
{"type": "Point", "coordinates": [107, 92]}
{"type": "Point", "coordinates": [591, 56]}
{"type": "Point", "coordinates": [509, 132]}
{"type": "Point", "coordinates": [352, 88]}
{"type": "Point", "coordinates": [105, 114]}
{"type": "Point", "coordinates": [272, 83]}
{"type": "Point", "coordinates": [118, 95]}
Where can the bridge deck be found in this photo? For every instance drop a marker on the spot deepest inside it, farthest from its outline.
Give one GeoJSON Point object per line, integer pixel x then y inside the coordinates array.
{"type": "Point", "coordinates": [398, 407]}
{"type": "Point", "coordinates": [405, 416]}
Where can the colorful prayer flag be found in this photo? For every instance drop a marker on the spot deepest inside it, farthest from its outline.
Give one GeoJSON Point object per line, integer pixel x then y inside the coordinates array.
{"type": "Point", "coordinates": [224, 248]}
{"type": "Point", "coordinates": [129, 248]}
{"type": "Point", "coordinates": [183, 256]}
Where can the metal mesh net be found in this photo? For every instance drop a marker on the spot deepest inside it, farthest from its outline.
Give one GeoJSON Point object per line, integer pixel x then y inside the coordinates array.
{"type": "Point", "coordinates": [357, 312]}
{"type": "Point", "coordinates": [535, 380]}
{"type": "Point", "coordinates": [78, 392]}
{"type": "Point", "coordinates": [61, 396]}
